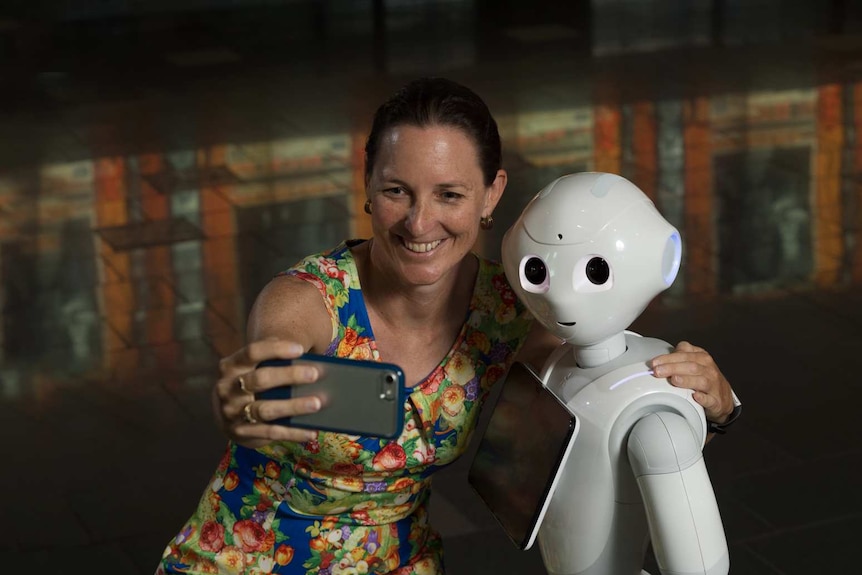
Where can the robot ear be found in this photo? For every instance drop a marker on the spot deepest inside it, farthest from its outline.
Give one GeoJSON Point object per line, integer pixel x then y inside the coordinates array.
{"type": "Point", "coordinates": [671, 258]}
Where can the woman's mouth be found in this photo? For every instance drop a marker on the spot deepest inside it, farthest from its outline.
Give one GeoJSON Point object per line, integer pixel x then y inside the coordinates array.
{"type": "Point", "coordinates": [421, 247]}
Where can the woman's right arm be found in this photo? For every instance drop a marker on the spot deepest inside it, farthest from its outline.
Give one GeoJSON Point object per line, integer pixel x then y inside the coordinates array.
{"type": "Point", "coordinates": [288, 318]}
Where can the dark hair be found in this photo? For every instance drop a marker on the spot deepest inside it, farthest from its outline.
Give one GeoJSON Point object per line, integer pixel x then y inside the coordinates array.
{"type": "Point", "coordinates": [439, 102]}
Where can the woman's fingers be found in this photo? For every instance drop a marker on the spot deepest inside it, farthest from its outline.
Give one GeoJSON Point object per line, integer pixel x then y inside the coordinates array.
{"type": "Point", "coordinates": [246, 358]}
{"type": "Point", "coordinates": [253, 428]}
{"type": "Point", "coordinates": [250, 422]}
{"type": "Point", "coordinates": [269, 410]}
{"type": "Point", "coordinates": [265, 378]}
{"type": "Point", "coordinates": [692, 367]}
{"type": "Point", "coordinates": [244, 418]}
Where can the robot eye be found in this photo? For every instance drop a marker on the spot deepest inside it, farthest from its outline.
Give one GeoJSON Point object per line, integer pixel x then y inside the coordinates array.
{"type": "Point", "coordinates": [598, 271]}
{"type": "Point", "coordinates": [535, 271]}
{"type": "Point", "coordinates": [534, 275]}
{"type": "Point", "coordinates": [592, 274]}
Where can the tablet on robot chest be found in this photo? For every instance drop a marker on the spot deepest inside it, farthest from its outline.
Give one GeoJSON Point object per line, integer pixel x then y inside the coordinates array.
{"type": "Point", "coordinates": [516, 467]}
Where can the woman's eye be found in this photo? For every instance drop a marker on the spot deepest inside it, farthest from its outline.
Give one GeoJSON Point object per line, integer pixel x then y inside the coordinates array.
{"type": "Point", "coordinates": [396, 190]}
{"type": "Point", "coordinates": [452, 195]}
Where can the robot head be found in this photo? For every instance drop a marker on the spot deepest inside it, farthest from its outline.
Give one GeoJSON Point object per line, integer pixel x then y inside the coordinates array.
{"type": "Point", "coordinates": [587, 255]}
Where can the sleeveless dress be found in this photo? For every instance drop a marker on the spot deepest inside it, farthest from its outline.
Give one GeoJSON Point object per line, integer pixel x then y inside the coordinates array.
{"type": "Point", "coordinates": [345, 504]}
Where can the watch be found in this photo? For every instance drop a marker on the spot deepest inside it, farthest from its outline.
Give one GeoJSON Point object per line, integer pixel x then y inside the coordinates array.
{"type": "Point", "coordinates": [721, 428]}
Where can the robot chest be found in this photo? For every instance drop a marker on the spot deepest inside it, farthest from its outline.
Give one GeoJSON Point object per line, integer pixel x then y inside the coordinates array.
{"type": "Point", "coordinates": [626, 392]}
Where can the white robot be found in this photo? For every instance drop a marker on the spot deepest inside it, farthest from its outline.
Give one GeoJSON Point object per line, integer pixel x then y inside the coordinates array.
{"type": "Point", "coordinates": [586, 256]}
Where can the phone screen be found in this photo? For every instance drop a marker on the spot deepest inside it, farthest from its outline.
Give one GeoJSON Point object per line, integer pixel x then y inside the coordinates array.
{"type": "Point", "coordinates": [525, 444]}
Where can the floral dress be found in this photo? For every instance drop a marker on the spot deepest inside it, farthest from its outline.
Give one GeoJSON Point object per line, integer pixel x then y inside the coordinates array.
{"type": "Point", "coordinates": [346, 504]}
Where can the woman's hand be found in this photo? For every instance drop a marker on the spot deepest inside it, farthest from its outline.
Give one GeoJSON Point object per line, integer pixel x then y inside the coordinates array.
{"type": "Point", "coordinates": [692, 367]}
{"type": "Point", "coordinates": [243, 418]}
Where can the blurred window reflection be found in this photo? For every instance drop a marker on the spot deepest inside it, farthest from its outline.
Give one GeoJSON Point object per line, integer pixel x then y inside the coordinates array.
{"type": "Point", "coordinates": [757, 183]}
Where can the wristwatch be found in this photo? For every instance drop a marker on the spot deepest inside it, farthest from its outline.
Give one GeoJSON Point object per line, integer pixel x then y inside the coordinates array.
{"type": "Point", "coordinates": [712, 427]}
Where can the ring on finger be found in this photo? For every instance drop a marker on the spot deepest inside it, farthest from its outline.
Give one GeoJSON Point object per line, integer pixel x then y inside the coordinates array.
{"type": "Point", "coordinates": [247, 415]}
{"type": "Point", "coordinates": [241, 383]}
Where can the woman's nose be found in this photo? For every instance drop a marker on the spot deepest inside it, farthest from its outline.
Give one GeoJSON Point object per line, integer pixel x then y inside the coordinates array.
{"type": "Point", "coordinates": [420, 218]}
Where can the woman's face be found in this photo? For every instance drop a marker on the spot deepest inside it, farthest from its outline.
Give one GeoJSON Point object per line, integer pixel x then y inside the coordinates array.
{"type": "Point", "coordinates": [427, 195]}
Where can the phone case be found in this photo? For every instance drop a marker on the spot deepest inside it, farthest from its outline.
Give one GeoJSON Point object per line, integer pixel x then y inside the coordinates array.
{"type": "Point", "coordinates": [358, 397]}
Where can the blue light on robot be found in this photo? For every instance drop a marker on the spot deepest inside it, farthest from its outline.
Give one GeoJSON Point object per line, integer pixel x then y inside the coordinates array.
{"type": "Point", "coordinates": [671, 258]}
{"type": "Point", "coordinates": [629, 378]}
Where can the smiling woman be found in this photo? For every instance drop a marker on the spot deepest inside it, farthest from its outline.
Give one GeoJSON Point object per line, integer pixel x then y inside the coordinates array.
{"type": "Point", "coordinates": [290, 500]}
{"type": "Point", "coordinates": [427, 196]}
{"type": "Point", "coordinates": [286, 500]}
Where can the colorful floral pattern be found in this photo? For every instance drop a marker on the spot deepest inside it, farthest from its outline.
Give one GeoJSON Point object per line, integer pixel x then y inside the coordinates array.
{"type": "Point", "coordinates": [345, 504]}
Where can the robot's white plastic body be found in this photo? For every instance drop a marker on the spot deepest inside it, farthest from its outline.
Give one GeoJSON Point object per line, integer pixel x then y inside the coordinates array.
{"type": "Point", "coordinates": [586, 256]}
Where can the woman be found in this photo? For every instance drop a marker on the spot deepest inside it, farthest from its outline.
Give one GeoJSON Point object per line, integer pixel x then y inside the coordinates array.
{"type": "Point", "coordinates": [289, 500]}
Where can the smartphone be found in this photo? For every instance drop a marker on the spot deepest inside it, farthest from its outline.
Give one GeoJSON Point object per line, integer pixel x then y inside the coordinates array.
{"type": "Point", "coordinates": [522, 453]}
{"type": "Point", "coordinates": [357, 397]}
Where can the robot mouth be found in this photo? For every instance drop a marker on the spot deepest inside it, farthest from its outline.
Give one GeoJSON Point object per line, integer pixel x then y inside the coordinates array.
{"type": "Point", "coordinates": [566, 323]}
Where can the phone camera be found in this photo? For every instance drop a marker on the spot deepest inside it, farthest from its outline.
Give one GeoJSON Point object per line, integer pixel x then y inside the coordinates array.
{"type": "Point", "coordinates": [388, 387]}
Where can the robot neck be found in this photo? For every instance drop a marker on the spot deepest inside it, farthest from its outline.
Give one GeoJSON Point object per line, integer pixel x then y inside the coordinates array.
{"type": "Point", "coordinates": [602, 352]}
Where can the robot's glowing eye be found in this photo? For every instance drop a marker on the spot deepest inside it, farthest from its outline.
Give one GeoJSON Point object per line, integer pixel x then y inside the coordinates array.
{"type": "Point", "coordinates": [598, 271]}
{"type": "Point", "coordinates": [592, 274]}
{"type": "Point", "coordinates": [534, 275]}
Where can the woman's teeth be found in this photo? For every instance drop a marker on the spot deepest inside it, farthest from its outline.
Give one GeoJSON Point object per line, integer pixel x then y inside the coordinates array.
{"type": "Point", "coordinates": [421, 248]}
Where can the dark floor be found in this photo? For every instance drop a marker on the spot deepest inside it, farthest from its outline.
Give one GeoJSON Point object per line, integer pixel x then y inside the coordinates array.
{"type": "Point", "coordinates": [156, 168]}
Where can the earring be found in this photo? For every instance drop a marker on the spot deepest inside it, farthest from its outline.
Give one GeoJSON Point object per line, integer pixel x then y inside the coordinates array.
{"type": "Point", "coordinates": [368, 207]}
{"type": "Point", "coordinates": [486, 222]}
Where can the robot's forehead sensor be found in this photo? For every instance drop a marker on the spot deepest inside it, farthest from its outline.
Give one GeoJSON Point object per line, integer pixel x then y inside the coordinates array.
{"type": "Point", "coordinates": [573, 209]}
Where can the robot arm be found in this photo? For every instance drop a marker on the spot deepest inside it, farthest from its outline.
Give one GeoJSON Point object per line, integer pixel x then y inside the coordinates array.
{"type": "Point", "coordinates": [684, 522]}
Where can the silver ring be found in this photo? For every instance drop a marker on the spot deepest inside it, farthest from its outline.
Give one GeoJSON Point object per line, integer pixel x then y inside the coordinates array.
{"type": "Point", "coordinates": [241, 382]}
{"type": "Point", "coordinates": [249, 418]}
